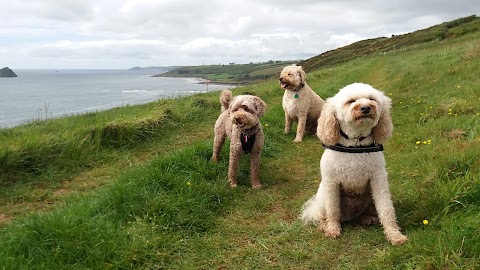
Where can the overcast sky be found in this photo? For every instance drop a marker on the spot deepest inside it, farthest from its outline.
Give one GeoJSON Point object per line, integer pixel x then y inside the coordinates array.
{"type": "Point", "coordinates": [121, 34]}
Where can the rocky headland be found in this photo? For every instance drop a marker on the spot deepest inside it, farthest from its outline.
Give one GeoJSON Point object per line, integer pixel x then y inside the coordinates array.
{"type": "Point", "coordinates": [6, 72]}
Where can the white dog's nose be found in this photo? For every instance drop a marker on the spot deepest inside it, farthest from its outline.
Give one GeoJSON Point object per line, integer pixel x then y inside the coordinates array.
{"type": "Point", "coordinates": [365, 109]}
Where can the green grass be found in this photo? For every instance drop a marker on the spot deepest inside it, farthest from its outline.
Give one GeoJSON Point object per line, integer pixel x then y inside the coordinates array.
{"type": "Point", "coordinates": [136, 218]}
{"type": "Point", "coordinates": [153, 200]}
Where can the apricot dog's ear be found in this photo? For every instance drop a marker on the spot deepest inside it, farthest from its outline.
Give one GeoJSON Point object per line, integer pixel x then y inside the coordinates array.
{"type": "Point", "coordinates": [302, 75]}
{"type": "Point", "coordinates": [328, 128]}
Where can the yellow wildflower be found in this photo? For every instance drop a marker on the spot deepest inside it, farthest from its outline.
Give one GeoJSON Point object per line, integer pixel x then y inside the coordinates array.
{"type": "Point", "coordinates": [425, 222]}
{"type": "Point", "coordinates": [417, 142]}
{"type": "Point", "coordinates": [266, 124]}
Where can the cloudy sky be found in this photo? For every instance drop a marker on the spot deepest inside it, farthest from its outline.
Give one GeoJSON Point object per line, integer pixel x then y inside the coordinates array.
{"type": "Point", "coordinates": [124, 33]}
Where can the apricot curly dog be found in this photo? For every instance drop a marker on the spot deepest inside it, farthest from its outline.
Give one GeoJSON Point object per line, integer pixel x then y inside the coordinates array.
{"type": "Point", "coordinates": [300, 103]}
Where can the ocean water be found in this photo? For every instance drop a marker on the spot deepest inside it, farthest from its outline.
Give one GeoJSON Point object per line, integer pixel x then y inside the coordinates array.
{"type": "Point", "coordinates": [41, 94]}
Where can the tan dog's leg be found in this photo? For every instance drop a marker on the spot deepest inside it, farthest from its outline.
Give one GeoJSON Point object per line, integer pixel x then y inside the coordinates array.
{"type": "Point", "coordinates": [235, 151]}
{"type": "Point", "coordinates": [302, 120]}
{"type": "Point", "coordinates": [255, 169]}
{"type": "Point", "coordinates": [384, 206]}
{"type": "Point", "coordinates": [217, 145]}
{"type": "Point", "coordinates": [288, 123]}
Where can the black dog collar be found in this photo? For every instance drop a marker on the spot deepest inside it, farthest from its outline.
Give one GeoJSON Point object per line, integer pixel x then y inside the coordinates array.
{"type": "Point", "coordinates": [298, 89]}
{"type": "Point", "coordinates": [346, 136]}
{"type": "Point", "coordinates": [247, 138]}
{"type": "Point", "coordinates": [247, 142]}
{"type": "Point", "coordinates": [355, 149]}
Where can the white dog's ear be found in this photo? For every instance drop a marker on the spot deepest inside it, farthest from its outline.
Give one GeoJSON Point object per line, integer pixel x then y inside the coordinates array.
{"type": "Point", "coordinates": [383, 130]}
{"type": "Point", "coordinates": [261, 106]}
{"type": "Point", "coordinates": [328, 128]}
{"type": "Point", "coordinates": [301, 74]}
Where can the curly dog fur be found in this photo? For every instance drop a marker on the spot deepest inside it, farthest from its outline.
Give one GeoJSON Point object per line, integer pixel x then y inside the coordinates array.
{"type": "Point", "coordinates": [354, 185]}
{"type": "Point", "coordinates": [239, 121]}
{"type": "Point", "coordinates": [300, 103]}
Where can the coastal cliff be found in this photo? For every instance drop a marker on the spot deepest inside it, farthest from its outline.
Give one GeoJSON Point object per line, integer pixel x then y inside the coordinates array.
{"type": "Point", "coordinates": [6, 72]}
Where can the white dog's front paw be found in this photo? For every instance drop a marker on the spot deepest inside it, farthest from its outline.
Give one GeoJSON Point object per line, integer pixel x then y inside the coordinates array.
{"type": "Point", "coordinates": [397, 238]}
{"type": "Point", "coordinates": [332, 231]}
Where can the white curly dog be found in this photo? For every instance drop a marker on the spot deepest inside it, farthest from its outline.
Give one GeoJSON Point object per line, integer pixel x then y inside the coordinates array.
{"type": "Point", "coordinates": [354, 186]}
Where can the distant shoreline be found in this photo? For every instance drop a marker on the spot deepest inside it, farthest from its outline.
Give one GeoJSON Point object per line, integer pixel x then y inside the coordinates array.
{"type": "Point", "coordinates": [198, 80]}
{"type": "Point", "coordinates": [89, 91]}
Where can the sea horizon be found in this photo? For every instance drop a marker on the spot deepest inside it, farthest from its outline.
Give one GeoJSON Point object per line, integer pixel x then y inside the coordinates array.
{"type": "Point", "coordinates": [39, 94]}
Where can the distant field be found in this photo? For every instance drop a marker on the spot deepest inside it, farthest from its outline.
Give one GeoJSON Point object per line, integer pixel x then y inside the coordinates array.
{"type": "Point", "coordinates": [231, 73]}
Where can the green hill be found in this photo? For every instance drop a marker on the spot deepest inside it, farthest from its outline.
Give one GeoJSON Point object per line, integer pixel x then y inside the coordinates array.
{"type": "Point", "coordinates": [231, 73]}
{"type": "Point", "coordinates": [386, 45]}
{"type": "Point", "coordinates": [133, 187]}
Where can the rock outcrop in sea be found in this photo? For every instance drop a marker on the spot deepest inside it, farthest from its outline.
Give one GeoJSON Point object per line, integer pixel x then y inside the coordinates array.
{"type": "Point", "coordinates": [6, 72]}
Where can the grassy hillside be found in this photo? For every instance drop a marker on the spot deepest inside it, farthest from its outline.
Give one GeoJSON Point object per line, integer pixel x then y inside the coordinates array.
{"type": "Point", "coordinates": [255, 72]}
{"type": "Point", "coordinates": [231, 73]}
{"type": "Point", "coordinates": [133, 187]}
{"type": "Point", "coordinates": [385, 45]}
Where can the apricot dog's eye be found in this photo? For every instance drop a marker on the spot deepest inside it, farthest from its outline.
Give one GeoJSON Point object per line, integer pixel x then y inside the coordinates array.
{"type": "Point", "coordinates": [372, 99]}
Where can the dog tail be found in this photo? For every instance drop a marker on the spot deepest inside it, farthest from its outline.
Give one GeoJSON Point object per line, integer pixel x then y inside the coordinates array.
{"type": "Point", "coordinates": [225, 98]}
{"type": "Point", "coordinates": [311, 211]}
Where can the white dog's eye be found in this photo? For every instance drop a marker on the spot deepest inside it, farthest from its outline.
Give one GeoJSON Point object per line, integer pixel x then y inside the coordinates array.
{"type": "Point", "coordinates": [372, 99]}
{"type": "Point", "coordinates": [350, 101]}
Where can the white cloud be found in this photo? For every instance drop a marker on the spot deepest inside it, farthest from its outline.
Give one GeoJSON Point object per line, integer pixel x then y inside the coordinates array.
{"type": "Point", "coordinates": [343, 40]}
{"type": "Point", "coordinates": [125, 33]}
